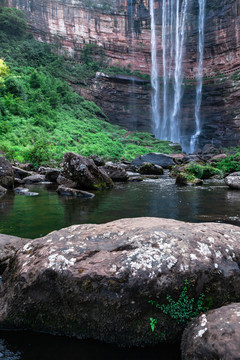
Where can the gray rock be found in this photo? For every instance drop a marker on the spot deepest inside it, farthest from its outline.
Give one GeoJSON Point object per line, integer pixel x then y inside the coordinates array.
{"type": "Point", "coordinates": [51, 174]}
{"type": "Point", "coordinates": [233, 180]}
{"type": "Point", "coordinates": [192, 158]}
{"type": "Point", "coordinates": [218, 158]}
{"type": "Point", "coordinates": [214, 335]}
{"type": "Point", "coordinates": [84, 173]}
{"type": "Point", "coordinates": [21, 190]}
{"type": "Point", "coordinates": [116, 172]}
{"type": "Point", "coordinates": [150, 169]}
{"type": "Point", "coordinates": [94, 281]}
{"type": "Point", "coordinates": [162, 160]}
{"type": "Point", "coordinates": [65, 191]}
{"type": "Point", "coordinates": [20, 173]}
{"type": "Point", "coordinates": [33, 179]}
{"type": "Point", "coordinates": [2, 190]}
{"type": "Point", "coordinates": [6, 173]}
{"type": "Point", "coordinates": [183, 179]}
{"type": "Point", "coordinates": [9, 245]}
{"type": "Point", "coordinates": [62, 180]}
{"type": "Point", "coordinates": [97, 160]}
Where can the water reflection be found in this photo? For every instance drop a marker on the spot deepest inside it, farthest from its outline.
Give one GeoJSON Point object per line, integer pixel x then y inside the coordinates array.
{"type": "Point", "coordinates": [36, 216]}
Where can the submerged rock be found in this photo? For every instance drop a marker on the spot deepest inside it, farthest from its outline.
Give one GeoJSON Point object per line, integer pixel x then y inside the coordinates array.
{"type": "Point", "coordinates": [214, 335]}
{"type": "Point", "coordinates": [162, 160]}
{"type": "Point", "coordinates": [6, 173]}
{"type": "Point", "coordinates": [21, 190]}
{"type": "Point", "coordinates": [85, 173]}
{"type": "Point", "coordinates": [184, 179]}
{"type": "Point", "coordinates": [233, 180]}
{"type": "Point", "coordinates": [150, 169]}
{"type": "Point", "coordinates": [95, 281]}
{"type": "Point", "coordinates": [65, 191]}
{"type": "Point", "coordinates": [25, 191]}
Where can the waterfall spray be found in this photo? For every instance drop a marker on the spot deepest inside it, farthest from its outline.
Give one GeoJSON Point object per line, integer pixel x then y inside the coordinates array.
{"type": "Point", "coordinates": [201, 21]}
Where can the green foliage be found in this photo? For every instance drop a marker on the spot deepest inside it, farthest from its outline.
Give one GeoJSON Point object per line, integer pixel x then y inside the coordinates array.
{"type": "Point", "coordinates": [236, 76]}
{"type": "Point", "coordinates": [202, 171]}
{"type": "Point", "coordinates": [4, 70]}
{"type": "Point", "coordinates": [12, 21]}
{"type": "Point", "coordinates": [153, 323]}
{"type": "Point", "coordinates": [181, 310]}
{"type": "Point", "coordinates": [93, 56]}
{"type": "Point", "coordinates": [41, 117]}
{"type": "Point", "coordinates": [230, 164]}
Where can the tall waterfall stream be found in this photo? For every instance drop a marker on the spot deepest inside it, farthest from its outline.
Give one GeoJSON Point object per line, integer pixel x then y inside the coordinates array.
{"type": "Point", "coordinates": [166, 104]}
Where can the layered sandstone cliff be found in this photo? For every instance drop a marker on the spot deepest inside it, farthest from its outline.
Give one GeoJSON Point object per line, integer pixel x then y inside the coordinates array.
{"type": "Point", "coordinates": [123, 30]}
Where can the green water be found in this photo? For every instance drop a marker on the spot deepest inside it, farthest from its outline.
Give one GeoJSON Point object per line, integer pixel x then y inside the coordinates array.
{"type": "Point", "coordinates": [36, 216]}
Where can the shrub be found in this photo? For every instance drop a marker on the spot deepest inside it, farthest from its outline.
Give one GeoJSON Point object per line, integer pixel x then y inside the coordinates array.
{"type": "Point", "coordinates": [202, 171]}
{"type": "Point", "coordinates": [230, 164]}
{"type": "Point", "coordinates": [12, 21]}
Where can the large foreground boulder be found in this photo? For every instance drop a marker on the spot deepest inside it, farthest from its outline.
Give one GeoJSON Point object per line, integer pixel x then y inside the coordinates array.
{"type": "Point", "coordinates": [84, 173]}
{"type": "Point", "coordinates": [162, 160]}
{"type": "Point", "coordinates": [6, 173]}
{"type": "Point", "coordinates": [95, 281]}
{"type": "Point", "coordinates": [233, 180]}
{"type": "Point", "coordinates": [215, 335]}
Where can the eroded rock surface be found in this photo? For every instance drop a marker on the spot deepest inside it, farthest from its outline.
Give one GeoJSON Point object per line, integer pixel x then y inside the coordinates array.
{"type": "Point", "coordinates": [233, 180]}
{"type": "Point", "coordinates": [214, 335]}
{"type": "Point", "coordinates": [95, 281]}
{"type": "Point", "coordinates": [84, 173]}
{"type": "Point", "coordinates": [116, 172]}
{"type": "Point", "coordinates": [162, 160]}
{"type": "Point", "coordinates": [65, 191]}
{"type": "Point", "coordinates": [8, 247]}
{"type": "Point", "coordinates": [6, 173]}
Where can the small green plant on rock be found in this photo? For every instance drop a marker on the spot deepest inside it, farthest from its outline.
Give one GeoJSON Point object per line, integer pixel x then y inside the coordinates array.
{"type": "Point", "coordinates": [181, 310]}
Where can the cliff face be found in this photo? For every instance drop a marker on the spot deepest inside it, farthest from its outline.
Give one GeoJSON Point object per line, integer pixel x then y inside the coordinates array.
{"type": "Point", "coordinates": [122, 29]}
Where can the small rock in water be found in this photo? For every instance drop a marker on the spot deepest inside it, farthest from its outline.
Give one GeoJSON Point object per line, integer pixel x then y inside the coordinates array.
{"type": "Point", "coordinates": [65, 191]}
{"type": "Point", "coordinates": [31, 193]}
{"type": "Point", "coordinates": [21, 191]}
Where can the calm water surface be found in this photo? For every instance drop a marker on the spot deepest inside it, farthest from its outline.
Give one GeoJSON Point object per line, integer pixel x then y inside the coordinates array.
{"type": "Point", "coordinates": [36, 216]}
{"type": "Point", "coordinates": [33, 217]}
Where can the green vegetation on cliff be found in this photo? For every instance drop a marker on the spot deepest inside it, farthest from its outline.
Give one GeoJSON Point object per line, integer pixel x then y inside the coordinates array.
{"type": "Point", "coordinates": [41, 117]}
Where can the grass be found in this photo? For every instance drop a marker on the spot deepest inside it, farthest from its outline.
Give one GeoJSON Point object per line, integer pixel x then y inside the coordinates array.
{"type": "Point", "coordinates": [41, 117]}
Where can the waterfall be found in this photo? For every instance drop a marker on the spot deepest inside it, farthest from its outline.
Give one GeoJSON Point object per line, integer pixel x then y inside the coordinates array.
{"type": "Point", "coordinates": [201, 21]}
{"type": "Point", "coordinates": [178, 77]}
{"type": "Point", "coordinates": [132, 98]}
{"type": "Point", "coordinates": [154, 75]}
{"type": "Point", "coordinates": [166, 107]}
